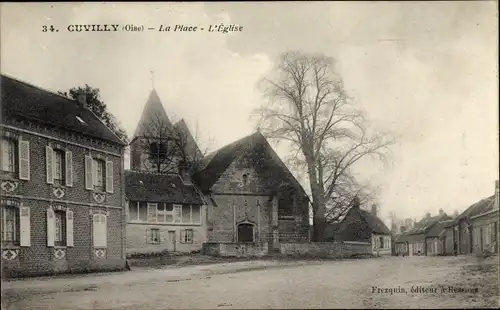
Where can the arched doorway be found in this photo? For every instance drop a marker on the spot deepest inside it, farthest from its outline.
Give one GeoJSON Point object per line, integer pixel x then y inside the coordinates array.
{"type": "Point", "coordinates": [246, 232]}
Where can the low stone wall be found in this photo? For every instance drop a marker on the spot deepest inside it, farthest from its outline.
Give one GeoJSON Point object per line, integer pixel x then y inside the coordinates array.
{"type": "Point", "coordinates": [236, 249]}
{"type": "Point", "coordinates": [327, 249]}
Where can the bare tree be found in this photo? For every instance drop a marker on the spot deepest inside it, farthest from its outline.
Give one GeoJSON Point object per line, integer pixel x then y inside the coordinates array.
{"type": "Point", "coordinates": [348, 194]}
{"type": "Point", "coordinates": [308, 107]}
{"type": "Point", "coordinates": [168, 146]}
{"type": "Point", "coordinates": [189, 152]}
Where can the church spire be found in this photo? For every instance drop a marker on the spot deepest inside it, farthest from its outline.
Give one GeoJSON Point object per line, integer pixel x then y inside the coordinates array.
{"type": "Point", "coordinates": [152, 113]}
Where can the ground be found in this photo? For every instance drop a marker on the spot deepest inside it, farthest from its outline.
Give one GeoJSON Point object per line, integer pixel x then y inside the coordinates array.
{"type": "Point", "coordinates": [391, 282]}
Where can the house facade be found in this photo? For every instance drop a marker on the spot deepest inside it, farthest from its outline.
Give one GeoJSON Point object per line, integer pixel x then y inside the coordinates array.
{"type": "Point", "coordinates": [435, 239]}
{"type": "Point", "coordinates": [165, 210]}
{"type": "Point", "coordinates": [61, 185]}
{"type": "Point", "coordinates": [476, 229]}
{"type": "Point", "coordinates": [355, 224]}
{"type": "Point", "coordinates": [414, 242]}
{"type": "Point", "coordinates": [252, 198]}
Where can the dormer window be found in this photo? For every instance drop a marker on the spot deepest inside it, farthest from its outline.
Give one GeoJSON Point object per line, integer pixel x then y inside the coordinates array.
{"type": "Point", "coordinates": [80, 119]}
{"type": "Point", "coordinates": [245, 179]}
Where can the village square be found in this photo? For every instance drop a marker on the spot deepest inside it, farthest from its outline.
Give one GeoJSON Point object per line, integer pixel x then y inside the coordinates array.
{"type": "Point", "coordinates": [97, 215]}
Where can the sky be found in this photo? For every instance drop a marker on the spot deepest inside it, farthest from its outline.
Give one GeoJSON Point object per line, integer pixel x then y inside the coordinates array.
{"type": "Point", "coordinates": [426, 71]}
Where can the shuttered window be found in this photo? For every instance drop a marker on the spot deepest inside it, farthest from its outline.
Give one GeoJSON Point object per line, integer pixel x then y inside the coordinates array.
{"type": "Point", "coordinates": [60, 228]}
{"type": "Point", "coordinates": [9, 155]}
{"type": "Point", "coordinates": [100, 230]}
{"type": "Point", "coordinates": [10, 225]}
{"type": "Point", "coordinates": [187, 236]}
{"type": "Point", "coordinates": [59, 166]}
{"type": "Point", "coordinates": [98, 174]}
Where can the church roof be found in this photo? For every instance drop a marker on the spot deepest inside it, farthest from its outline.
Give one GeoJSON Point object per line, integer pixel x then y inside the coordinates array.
{"type": "Point", "coordinates": [218, 162]}
{"type": "Point", "coordinates": [153, 112]}
{"type": "Point", "coordinates": [22, 100]}
{"type": "Point", "coordinates": [190, 143]}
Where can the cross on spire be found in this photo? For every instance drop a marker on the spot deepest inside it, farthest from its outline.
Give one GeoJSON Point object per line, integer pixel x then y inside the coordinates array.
{"type": "Point", "coordinates": [152, 79]}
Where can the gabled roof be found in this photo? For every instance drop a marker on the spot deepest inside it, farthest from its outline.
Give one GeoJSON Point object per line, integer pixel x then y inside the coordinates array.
{"type": "Point", "coordinates": [482, 206]}
{"type": "Point", "coordinates": [436, 230]}
{"type": "Point", "coordinates": [220, 160]}
{"type": "Point", "coordinates": [190, 143]}
{"type": "Point", "coordinates": [375, 223]}
{"type": "Point", "coordinates": [153, 112]}
{"type": "Point", "coordinates": [427, 223]}
{"type": "Point", "coordinates": [26, 101]}
{"type": "Point", "coordinates": [169, 188]}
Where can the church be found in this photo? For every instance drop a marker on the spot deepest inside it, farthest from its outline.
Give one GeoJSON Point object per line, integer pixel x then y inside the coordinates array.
{"type": "Point", "coordinates": [240, 196]}
{"type": "Point", "coordinates": [165, 210]}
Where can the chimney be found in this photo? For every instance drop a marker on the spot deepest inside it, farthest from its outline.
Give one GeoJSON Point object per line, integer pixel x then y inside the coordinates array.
{"type": "Point", "coordinates": [374, 209]}
{"type": "Point", "coordinates": [428, 214]}
{"type": "Point", "coordinates": [82, 99]}
{"type": "Point", "coordinates": [402, 229]}
{"type": "Point", "coordinates": [441, 212]}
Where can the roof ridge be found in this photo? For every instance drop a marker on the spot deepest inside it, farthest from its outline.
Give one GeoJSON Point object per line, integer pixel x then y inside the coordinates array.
{"type": "Point", "coordinates": [39, 88]}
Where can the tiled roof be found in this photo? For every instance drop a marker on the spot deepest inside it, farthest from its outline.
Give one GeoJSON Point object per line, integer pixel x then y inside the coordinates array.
{"type": "Point", "coordinates": [482, 206]}
{"type": "Point", "coordinates": [435, 231]}
{"type": "Point", "coordinates": [218, 162]}
{"type": "Point", "coordinates": [142, 186]}
{"type": "Point", "coordinates": [375, 223]}
{"type": "Point", "coordinates": [26, 101]}
{"type": "Point", "coordinates": [426, 224]}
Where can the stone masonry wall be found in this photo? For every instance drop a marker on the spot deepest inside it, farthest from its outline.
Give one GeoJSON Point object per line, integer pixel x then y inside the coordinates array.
{"type": "Point", "coordinates": [326, 249]}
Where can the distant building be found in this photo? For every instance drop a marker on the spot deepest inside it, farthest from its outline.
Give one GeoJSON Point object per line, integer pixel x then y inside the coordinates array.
{"type": "Point", "coordinates": [356, 224]}
{"type": "Point", "coordinates": [62, 192]}
{"type": "Point", "coordinates": [476, 229]}
{"type": "Point", "coordinates": [415, 241]}
{"type": "Point", "coordinates": [166, 211]}
{"type": "Point", "coordinates": [253, 199]}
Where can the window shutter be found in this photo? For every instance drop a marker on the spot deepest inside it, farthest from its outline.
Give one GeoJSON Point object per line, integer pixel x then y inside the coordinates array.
{"type": "Point", "coordinates": [88, 173]}
{"type": "Point", "coordinates": [25, 224]}
{"type": "Point", "coordinates": [49, 163]}
{"type": "Point", "coordinates": [109, 176]}
{"type": "Point", "coordinates": [69, 168]}
{"type": "Point", "coordinates": [100, 231]}
{"type": "Point", "coordinates": [51, 227]}
{"type": "Point", "coordinates": [95, 229]}
{"type": "Point", "coordinates": [104, 229]}
{"type": "Point", "coordinates": [54, 163]}
{"type": "Point", "coordinates": [69, 228]}
{"type": "Point", "coordinates": [24, 160]}
{"type": "Point", "coordinates": [148, 235]}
